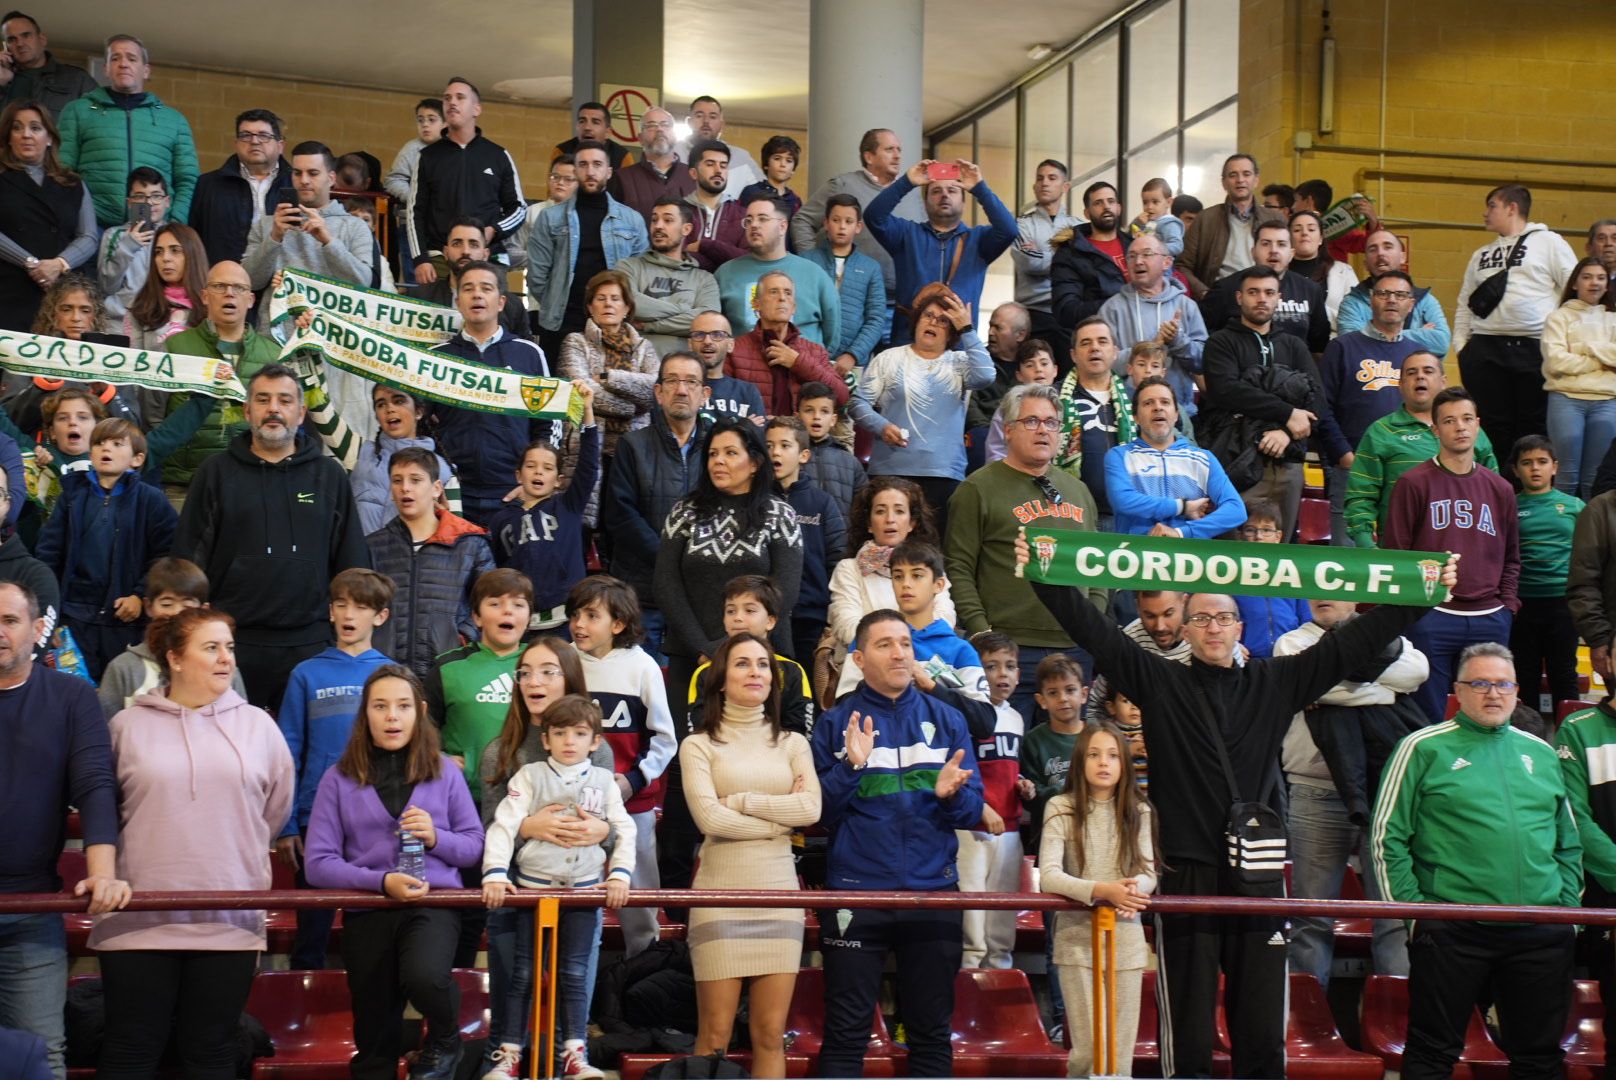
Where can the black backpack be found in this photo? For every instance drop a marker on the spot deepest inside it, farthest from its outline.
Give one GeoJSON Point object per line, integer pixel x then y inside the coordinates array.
{"type": "Point", "coordinates": [697, 1067]}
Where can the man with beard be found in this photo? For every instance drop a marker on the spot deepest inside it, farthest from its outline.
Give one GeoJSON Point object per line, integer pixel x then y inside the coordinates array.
{"type": "Point", "coordinates": [573, 241]}
{"type": "Point", "coordinates": [719, 235]}
{"type": "Point", "coordinates": [271, 521]}
{"type": "Point", "coordinates": [1091, 261]}
{"type": "Point", "coordinates": [706, 121]}
{"type": "Point", "coordinates": [593, 123]}
{"type": "Point", "coordinates": [1300, 311]}
{"type": "Point", "coordinates": [464, 247]}
{"type": "Point", "coordinates": [659, 171]}
{"type": "Point", "coordinates": [1424, 325]}
{"type": "Point", "coordinates": [461, 173]}
{"type": "Point", "coordinates": [668, 286]}
{"type": "Point", "coordinates": [818, 307]}
{"type": "Point", "coordinates": [654, 468]}
{"type": "Point", "coordinates": [711, 341]}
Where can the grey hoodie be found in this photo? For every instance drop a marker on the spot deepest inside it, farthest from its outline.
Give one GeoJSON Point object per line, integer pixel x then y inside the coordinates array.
{"type": "Point", "coordinates": [1135, 318]}
{"type": "Point", "coordinates": [668, 294]}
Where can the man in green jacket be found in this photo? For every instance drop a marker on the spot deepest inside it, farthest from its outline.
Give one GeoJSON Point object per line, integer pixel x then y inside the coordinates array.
{"type": "Point", "coordinates": [224, 335]}
{"type": "Point", "coordinates": [1395, 444]}
{"type": "Point", "coordinates": [113, 129]}
{"type": "Point", "coordinates": [1474, 811]}
{"type": "Point", "coordinates": [1586, 742]}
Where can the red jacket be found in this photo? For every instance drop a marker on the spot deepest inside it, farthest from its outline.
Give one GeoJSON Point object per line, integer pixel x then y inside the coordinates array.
{"type": "Point", "coordinates": [778, 385]}
{"type": "Point", "coordinates": [722, 236]}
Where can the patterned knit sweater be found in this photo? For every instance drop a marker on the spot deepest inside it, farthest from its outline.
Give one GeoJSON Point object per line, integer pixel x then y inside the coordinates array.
{"type": "Point", "coordinates": [699, 555]}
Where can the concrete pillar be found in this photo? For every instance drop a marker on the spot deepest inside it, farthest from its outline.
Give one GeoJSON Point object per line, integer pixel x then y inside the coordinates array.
{"type": "Point", "coordinates": [864, 71]}
{"type": "Point", "coordinates": [617, 43]}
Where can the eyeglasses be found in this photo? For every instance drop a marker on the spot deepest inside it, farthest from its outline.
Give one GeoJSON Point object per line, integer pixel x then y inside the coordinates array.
{"type": "Point", "coordinates": [1251, 532]}
{"type": "Point", "coordinates": [140, 200]}
{"type": "Point", "coordinates": [1206, 619]}
{"type": "Point", "coordinates": [1037, 423]}
{"type": "Point", "coordinates": [710, 335]}
{"type": "Point", "coordinates": [932, 315]}
{"type": "Point", "coordinates": [255, 136]}
{"type": "Point", "coordinates": [681, 384]}
{"type": "Point", "coordinates": [1481, 686]}
{"type": "Point", "coordinates": [1391, 294]}
{"type": "Point", "coordinates": [1048, 490]}
{"type": "Point", "coordinates": [562, 178]}
{"type": "Point", "coordinates": [549, 671]}
{"type": "Point", "coordinates": [228, 289]}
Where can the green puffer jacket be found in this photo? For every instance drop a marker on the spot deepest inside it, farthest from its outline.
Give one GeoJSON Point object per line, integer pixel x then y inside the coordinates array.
{"type": "Point", "coordinates": [228, 420]}
{"type": "Point", "coordinates": [104, 143]}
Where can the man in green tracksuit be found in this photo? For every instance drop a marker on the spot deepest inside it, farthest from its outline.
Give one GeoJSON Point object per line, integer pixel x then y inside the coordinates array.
{"type": "Point", "coordinates": [1475, 811]}
{"type": "Point", "coordinates": [1587, 746]}
{"type": "Point", "coordinates": [1395, 444]}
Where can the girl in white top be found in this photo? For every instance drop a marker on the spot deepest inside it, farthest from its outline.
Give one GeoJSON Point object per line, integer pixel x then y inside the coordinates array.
{"type": "Point", "coordinates": [1098, 847]}
{"type": "Point", "coordinates": [1579, 373]}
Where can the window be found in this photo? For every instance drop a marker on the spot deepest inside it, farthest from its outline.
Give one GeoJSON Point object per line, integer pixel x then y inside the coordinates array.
{"type": "Point", "coordinates": [1152, 73]}
{"type": "Point", "coordinates": [1045, 132]}
{"type": "Point", "coordinates": [1094, 105]}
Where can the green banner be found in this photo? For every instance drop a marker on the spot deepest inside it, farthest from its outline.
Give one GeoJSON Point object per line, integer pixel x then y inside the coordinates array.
{"type": "Point", "coordinates": [85, 361]}
{"type": "Point", "coordinates": [1289, 571]}
{"type": "Point", "coordinates": [433, 376]}
{"type": "Point", "coordinates": [401, 317]}
{"type": "Point", "coordinates": [1342, 218]}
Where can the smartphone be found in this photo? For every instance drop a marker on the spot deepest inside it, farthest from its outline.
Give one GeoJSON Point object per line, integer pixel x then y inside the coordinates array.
{"type": "Point", "coordinates": [287, 196]}
{"type": "Point", "coordinates": [942, 170]}
{"type": "Point", "coordinates": [143, 215]}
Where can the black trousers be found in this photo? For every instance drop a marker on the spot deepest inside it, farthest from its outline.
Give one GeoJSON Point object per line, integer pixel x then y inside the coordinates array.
{"type": "Point", "coordinates": [313, 936]}
{"type": "Point", "coordinates": [197, 996]}
{"type": "Point", "coordinates": [1190, 950]}
{"type": "Point", "coordinates": [265, 669]}
{"type": "Point", "coordinates": [677, 836]}
{"type": "Point", "coordinates": [805, 634]}
{"type": "Point", "coordinates": [391, 957]}
{"type": "Point", "coordinates": [927, 946]}
{"type": "Point", "coordinates": [1543, 637]}
{"type": "Point", "coordinates": [102, 643]}
{"type": "Point", "coordinates": [1527, 968]}
{"type": "Point", "coordinates": [1060, 339]}
{"type": "Point", "coordinates": [1505, 376]}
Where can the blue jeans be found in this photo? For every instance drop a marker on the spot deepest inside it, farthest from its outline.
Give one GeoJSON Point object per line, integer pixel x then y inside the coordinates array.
{"type": "Point", "coordinates": [33, 980]}
{"type": "Point", "coordinates": [1581, 432]}
{"type": "Point", "coordinates": [576, 967]}
{"type": "Point", "coordinates": [1442, 636]}
{"type": "Point", "coordinates": [1322, 839]}
{"type": "Point", "coordinates": [656, 627]}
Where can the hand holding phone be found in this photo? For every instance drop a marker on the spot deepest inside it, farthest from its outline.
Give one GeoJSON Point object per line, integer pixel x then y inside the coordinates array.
{"type": "Point", "coordinates": [942, 170]}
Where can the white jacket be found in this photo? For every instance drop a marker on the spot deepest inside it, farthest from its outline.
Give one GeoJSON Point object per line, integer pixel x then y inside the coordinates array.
{"type": "Point", "coordinates": [854, 595]}
{"type": "Point", "coordinates": [1537, 280]}
{"type": "Point", "coordinates": [583, 787]}
{"type": "Point", "coordinates": [1579, 351]}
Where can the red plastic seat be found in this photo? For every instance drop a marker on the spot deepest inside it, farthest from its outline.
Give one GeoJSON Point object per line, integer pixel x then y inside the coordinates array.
{"type": "Point", "coordinates": [309, 1018]}
{"type": "Point", "coordinates": [1029, 924]}
{"type": "Point", "coordinates": [1452, 709]}
{"type": "Point", "coordinates": [1353, 937]}
{"type": "Point", "coordinates": [1385, 1032]}
{"type": "Point", "coordinates": [1584, 1040]}
{"type": "Point", "coordinates": [1313, 523]}
{"type": "Point", "coordinates": [997, 1029]}
{"type": "Point", "coordinates": [1563, 709]}
{"type": "Point", "coordinates": [1314, 1049]}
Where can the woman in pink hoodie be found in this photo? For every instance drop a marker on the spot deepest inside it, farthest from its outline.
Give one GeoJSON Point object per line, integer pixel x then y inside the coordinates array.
{"type": "Point", "coordinates": [205, 783]}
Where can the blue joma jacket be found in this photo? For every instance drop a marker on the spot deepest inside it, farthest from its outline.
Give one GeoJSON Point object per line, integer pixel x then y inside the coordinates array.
{"type": "Point", "coordinates": [888, 829]}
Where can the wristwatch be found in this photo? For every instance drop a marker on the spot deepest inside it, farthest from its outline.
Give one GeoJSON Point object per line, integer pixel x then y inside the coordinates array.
{"type": "Point", "coordinates": [31, 263]}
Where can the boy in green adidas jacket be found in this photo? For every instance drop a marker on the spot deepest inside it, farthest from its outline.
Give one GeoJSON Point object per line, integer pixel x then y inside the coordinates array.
{"type": "Point", "coordinates": [1475, 811]}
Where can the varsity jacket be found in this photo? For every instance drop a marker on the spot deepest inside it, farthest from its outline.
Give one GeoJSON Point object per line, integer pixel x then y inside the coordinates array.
{"type": "Point", "coordinates": [432, 608]}
{"type": "Point", "coordinates": [888, 829]}
{"type": "Point", "coordinates": [1470, 814]}
{"type": "Point", "coordinates": [478, 179]}
{"type": "Point", "coordinates": [1540, 263]}
{"type": "Point", "coordinates": [1252, 704]}
{"type": "Point", "coordinates": [585, 787]}
{"type": "Point", "coordinates": [628, 687]}
{"type": "Point", "coordinates": [1389, 448]}
{"type": "Point", "coordinates": [1586, 744]}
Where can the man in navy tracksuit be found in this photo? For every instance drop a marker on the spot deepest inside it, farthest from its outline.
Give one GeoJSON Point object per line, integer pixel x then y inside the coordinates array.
{"type": "Point", "coordinates": [897, 777]}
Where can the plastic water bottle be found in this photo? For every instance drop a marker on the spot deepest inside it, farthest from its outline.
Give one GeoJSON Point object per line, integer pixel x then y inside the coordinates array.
{"type": "Point", "coordinates": [411, 855]}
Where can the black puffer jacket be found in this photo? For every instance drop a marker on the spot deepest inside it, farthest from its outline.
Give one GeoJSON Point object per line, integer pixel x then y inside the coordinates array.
{"type": "Point", "coordinates": [432, 608]}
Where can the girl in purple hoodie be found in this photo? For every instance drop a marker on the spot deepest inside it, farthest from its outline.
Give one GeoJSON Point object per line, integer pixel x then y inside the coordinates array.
{"type": "Point", "coordinates": [393, 780]}
{"type": "Point", "coordinates": [205, 783]}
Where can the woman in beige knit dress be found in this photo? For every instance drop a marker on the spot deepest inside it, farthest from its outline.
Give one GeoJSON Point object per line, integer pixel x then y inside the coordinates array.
{"type": "Point", "coordinates": [1098, 847]}
{"type": "Point", "coordinates": [748, 783]}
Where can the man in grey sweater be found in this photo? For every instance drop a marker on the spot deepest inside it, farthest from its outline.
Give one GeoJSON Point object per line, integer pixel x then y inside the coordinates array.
{"type": "Point", "coordinates": [316, 234]}
{"type": "Point", "coordinates": [881, 158]}
{"type": "Point", "coordinates": [669, 288]}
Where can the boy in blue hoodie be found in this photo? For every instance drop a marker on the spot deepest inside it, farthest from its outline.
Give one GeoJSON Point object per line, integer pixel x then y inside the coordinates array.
{"type": "Point", "coordinates": [317, 717]}
{"type": "Point", "coordinates": [107, 530]}
{"type": "Point", "coordinates": [1267, 618]}
{"type": "Point", "coordinates": [897, 777]}
{"type": "Point", "coordinates": [824, 530]}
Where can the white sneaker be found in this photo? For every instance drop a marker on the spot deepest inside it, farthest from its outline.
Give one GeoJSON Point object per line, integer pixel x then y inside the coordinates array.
{"type": "Point", "coordinates": [506, 1063]}
{"type": "Point", "coordinates": [575, 1066]}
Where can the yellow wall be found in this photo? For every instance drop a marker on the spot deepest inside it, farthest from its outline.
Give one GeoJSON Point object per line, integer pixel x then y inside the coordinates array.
{"type": "Point", "coordinates": [1540, 85]}
{"type": "Point", "coordinates": [377, 121]}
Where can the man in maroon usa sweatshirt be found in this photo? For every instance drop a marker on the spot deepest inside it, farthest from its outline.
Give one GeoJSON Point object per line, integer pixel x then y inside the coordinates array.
{"type": "Point", "coordinates": [1451, 503]}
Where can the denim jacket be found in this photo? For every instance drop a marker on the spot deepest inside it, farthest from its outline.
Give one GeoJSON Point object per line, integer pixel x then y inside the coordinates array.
{"type": "Point", "coordinates": [555, 237]}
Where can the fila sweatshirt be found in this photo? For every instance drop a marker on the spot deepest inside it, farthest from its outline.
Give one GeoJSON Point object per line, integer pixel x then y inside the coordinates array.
{"type": "Point", "coordinates": [633, 700]}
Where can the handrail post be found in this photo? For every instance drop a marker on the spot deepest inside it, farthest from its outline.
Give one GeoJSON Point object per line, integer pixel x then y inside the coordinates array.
{"type": "Point", "coordinates": [546, 947]}
{"type": "Point", "coordinates": [1103, 950]}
